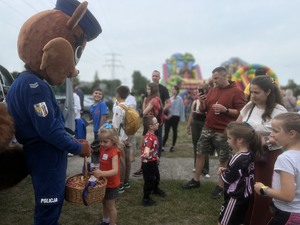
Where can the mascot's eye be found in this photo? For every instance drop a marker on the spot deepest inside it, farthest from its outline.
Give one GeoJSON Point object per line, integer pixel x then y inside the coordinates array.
{"type": "Point", "coordinates": [78, 53]}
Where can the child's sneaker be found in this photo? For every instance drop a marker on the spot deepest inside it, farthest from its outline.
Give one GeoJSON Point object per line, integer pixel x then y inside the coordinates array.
{"type": "Point", "coordinates": [159, 192]}
{"type": "Point", "coordinates": [126, 185]}
{"type": "Point", "coordinates": [121, 189]}
{"type": "Point", "coordinates": [217, 193]}
{"type": "Point", "coordinates": [103, 223]}
{"type": "Point", "coordinates": [148, 202]}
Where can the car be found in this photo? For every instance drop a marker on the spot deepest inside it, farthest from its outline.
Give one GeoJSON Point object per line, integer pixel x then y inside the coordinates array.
{"type": "Point", "coordinates": [107, 99]}
{"type": "Point", "coordinates": [6, 80]}
{"type": "Point", "coordinates": [87, 102]}
{"type": "Point", "coordinates": [85, 112]}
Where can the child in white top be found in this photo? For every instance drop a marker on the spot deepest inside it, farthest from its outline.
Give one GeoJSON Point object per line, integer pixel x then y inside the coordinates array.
{"type": "Point", "coordinates": [285, 189]}
{"type": "Point", "coordinates": [118, 119]}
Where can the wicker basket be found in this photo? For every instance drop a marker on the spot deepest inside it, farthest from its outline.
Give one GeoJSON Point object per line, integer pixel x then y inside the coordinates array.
{"type": "Point", "coordinates": [74, 194]}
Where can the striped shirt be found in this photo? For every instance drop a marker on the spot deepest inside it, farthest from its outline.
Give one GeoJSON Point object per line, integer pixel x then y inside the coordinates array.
{"type": "Point", "coordinates": [238, 178]}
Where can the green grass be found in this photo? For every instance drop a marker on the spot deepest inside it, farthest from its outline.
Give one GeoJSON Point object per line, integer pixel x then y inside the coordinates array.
{"type": "Point", "coordinates": [179, 207]}
{"type": "Point", "coordinates": [187, 207]}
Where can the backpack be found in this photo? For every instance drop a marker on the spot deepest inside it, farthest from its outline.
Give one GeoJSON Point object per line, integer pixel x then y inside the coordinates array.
{"type": "Point", "coordinates": [132, 120]}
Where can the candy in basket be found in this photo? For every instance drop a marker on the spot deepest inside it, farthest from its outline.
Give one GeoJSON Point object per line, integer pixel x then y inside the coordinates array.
{"type": "Point", "coordinates": [85, 189]}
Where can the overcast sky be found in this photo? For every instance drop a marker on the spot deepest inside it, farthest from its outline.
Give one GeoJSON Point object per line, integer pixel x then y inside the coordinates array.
{"type": "Point", "coordinates": [143, 34]}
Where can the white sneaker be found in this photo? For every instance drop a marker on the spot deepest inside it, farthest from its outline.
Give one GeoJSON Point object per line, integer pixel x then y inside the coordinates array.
{"type": "Point", "coordinates": [207, 176]}
{"type": "Point", "coordinates": [70, 154]}
{"type": "Point", "coordinates": [194, 170]}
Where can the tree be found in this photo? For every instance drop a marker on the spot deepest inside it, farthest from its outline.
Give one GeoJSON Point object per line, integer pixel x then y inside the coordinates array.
{"type": "Point", "coordinates": [293, 86]}
{"type": "Point", "coordinates": [76, 81]}
{"type": "Point", "coordinates": [139, 83]}
{"type": "Point", "coordinates": [15, 74]}
{"type": "Point", "coordinates": [96, 83]}
{"type": "Point", "coordinates": [110, 86]}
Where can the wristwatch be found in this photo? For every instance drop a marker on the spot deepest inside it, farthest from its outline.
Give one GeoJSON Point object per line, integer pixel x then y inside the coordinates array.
{"type": "Point", "coordinates": [264, 190]}
{"type": "Point", "coordinates": [227, 110]}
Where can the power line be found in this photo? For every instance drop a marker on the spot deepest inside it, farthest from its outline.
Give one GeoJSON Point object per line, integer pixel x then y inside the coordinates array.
{"type": "Point", "coordinates": [15, 10]}
{"type": "Point", "coordinates": [31, 6]}
{"type": "Point", "coordinates": [113, 63]}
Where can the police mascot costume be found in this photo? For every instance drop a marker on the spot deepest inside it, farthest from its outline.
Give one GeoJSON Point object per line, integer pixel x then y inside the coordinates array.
{"type": "Point", "coordinates": [50, 43]}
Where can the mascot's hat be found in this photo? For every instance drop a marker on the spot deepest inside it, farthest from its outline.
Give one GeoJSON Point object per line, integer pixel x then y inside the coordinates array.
{"type": "Point", "coordinates": [88, 23]}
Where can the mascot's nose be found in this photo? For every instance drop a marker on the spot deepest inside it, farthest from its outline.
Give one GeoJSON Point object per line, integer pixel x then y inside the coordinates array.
{"type": "Point", "coordinates": [74, 73]}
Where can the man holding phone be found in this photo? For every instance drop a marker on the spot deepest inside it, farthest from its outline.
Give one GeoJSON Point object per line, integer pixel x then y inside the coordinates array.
{"type": "Point", "coordinates": [222, 105]}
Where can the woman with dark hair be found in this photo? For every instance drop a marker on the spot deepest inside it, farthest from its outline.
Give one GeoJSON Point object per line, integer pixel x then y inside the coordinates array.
{"type": "Point", "coordinates": [176, 113]}
{"type": "Point", "coordinates": [195, 125]}
{"type": "Point", "coordinates": [153, 104]}
{"type": "Point", "coordinates": [264, 105]}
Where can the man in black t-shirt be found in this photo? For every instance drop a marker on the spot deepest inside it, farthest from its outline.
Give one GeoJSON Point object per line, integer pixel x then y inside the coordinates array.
{"type": "Point", "coordinates": [165, 99]}
{"type": "Point", "coordinates": [163, 91]}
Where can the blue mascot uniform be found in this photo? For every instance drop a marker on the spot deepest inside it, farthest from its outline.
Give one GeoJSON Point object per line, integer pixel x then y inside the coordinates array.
{"type": "Point", "coordinates": [37, 116]}
{"type": "Point", "coordinates": [40, 128]}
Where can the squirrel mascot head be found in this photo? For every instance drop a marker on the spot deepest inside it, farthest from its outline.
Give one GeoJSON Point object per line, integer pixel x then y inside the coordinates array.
{"type": "Point", "coordinates": [50, 43]}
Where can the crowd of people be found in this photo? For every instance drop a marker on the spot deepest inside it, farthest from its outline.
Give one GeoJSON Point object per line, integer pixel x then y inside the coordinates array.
{"type": "Point", "coordinates": [223, 119]}
{"type": "Point", "coordinates": [254, 133]}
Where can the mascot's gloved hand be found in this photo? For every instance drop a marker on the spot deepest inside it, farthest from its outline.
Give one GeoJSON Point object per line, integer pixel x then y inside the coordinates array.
{"type": "Point", "coordinates": [85, 149]}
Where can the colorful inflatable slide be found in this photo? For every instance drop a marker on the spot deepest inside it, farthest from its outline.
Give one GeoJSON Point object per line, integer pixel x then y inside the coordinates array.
{"type": "Point", "coordinates": [182, 71]}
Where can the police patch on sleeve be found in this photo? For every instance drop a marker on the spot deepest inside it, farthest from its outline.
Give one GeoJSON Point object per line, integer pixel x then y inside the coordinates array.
{"type": "Point", "coordinates": [41, 109]}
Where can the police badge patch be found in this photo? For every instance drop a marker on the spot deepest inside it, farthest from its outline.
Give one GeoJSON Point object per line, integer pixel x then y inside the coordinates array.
{"type": "Point", "coordinates": [41, 109]}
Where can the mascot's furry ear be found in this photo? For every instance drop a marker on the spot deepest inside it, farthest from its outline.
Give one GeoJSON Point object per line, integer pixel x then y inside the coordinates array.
{"type": "Point", "coordinates": [12, 160]}
{"type": "Point", "coordinates": [58, 60]}
{"type": "Point", "coordinates": [77, 15]}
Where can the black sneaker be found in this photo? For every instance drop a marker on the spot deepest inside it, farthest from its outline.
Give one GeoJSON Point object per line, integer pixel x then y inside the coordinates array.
{"type": "Point", "coordinates": [191, 184]}
{"type": "Point", "coordinates": [172, 149]}
{"type": "Point", "coordinates": [148, 202]}
{"type": "Point", "coordinates": [126, 185]}
{"type": "Point", "coordinates": [217, 193]}
{"type": "Point", "coordinates": [103, 223]}
{"type": "Point", "coordinates": [121, 189]}
{"type": "Point", "coordinates": [159, 192]}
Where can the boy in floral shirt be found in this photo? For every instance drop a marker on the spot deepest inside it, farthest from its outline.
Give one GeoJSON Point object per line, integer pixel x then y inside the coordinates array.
{"type": "Point", "coordinates": [149, 161]}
